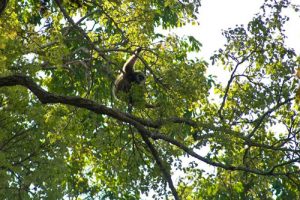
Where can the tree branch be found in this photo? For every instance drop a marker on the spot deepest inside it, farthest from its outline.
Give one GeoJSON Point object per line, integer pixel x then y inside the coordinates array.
{"type": "Point", "coordinates": [82, 32]}
{"type": "Point", "coordinates": [261, 119]}
{"type": "Point", "coordinates": [238, 63]}
{"type": "Point", "coordinates": [49, 98]}
{"type": "Point", "coordinates": [161, 166]}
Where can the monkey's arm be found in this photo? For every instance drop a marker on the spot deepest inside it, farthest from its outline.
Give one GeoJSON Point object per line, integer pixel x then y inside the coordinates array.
{"type": "Point", "coordinates": [128, 66]}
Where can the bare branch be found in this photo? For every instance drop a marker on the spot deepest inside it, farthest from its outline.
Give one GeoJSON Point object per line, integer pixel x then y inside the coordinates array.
{"type": "Point", "coordinates": [238, 63]}
{"type": "Point", "coordinates": [261, 119]}
{"type": "Point", "coordinates": [81, 31]}
{"type": "Point", "coordinates": [161, 166]}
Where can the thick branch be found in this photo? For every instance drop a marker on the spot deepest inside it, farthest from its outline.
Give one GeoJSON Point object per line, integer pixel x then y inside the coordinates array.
{"type": "Point", "coordinates": [49, 98]}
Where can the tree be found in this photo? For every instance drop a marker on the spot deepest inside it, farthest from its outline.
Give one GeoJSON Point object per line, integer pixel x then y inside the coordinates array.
{"type": "Point", "coordinates": [63, 135]}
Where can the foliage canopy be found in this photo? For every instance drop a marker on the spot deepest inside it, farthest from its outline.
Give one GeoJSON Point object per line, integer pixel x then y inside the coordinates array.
{"type": "Point", "coordinates": [64, 136]}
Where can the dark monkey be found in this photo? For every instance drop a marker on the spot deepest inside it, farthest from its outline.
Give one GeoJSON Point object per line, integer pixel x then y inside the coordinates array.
{"type": "Point", "coordinates": [128, 77]}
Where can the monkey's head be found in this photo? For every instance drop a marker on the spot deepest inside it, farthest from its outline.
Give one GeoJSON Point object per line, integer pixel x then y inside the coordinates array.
{"type": "Point", "coordinates": [139, 78]}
